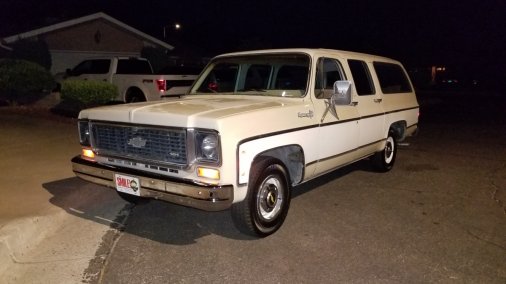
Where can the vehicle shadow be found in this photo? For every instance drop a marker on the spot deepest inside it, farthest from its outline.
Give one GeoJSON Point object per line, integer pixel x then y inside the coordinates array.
{"type": "Point", "coordinates": [157, 220]}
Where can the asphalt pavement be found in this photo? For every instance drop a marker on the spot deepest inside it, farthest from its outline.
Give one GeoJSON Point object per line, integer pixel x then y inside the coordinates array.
{"type": "Point", "coordinates": [438, 216]}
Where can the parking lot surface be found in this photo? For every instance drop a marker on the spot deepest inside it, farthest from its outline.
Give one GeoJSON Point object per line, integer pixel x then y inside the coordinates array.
{"type": "Point", "coordinates": [438, 216]}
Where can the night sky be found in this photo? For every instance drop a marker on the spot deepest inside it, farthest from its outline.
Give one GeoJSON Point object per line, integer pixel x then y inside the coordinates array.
{"type": "Point", "coordinates": [465, 34]}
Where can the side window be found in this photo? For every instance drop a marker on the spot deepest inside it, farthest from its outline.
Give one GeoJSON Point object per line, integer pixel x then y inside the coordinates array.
{"type": "Point", "coordinates": [82, 68]}
{"type": "Point", "coordinates": [327, 72]}
{"type": "Point", "coordinates": [98, 66]}
{"type": "Point", "coordinates": [392, 78]}
{"type": "Point", "coordinates": [361, 77]}
{"type": "Point", "coordinates": [133, 66]}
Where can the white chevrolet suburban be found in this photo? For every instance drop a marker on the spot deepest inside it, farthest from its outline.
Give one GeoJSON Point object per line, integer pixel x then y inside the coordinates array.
{"type": "Point", "coordinates": [253, 125]}
{"type": "Point", "coordinates": [134, 78]}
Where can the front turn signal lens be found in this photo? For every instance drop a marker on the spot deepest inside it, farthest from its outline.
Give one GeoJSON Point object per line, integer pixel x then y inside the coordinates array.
{"type": "Point", "coordinates": [88, 153]}
{"type": "Point", "coordinates": [208, 173]}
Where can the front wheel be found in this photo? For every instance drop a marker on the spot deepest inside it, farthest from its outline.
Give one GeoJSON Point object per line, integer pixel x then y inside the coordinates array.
{"type": "Point", "coordinates": [384, 160]}
{"type": "Point", "coordinates": [265, 207]}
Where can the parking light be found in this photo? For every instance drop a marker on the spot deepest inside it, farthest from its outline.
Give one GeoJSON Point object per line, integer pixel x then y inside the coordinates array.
{"type": "Point", "coordinates": [88, 154]}
{"type": "Point", "coordinates": [208, 173]}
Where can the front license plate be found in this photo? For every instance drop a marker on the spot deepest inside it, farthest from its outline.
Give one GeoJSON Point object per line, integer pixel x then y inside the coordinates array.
{"type": "Point", "coordinates": [127, 184]}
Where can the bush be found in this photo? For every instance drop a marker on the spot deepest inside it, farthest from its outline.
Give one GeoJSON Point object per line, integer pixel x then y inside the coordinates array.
{"type": "Point", "coordinates": [23, 82]}
{"type": "Point", "coordinates": [33, 51]}
{"type": "Point", "coordinates": [88, 93]}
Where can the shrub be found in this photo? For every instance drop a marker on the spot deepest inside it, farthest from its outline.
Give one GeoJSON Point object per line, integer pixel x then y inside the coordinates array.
{"type": "Point", "coordinates": [23, 82]}
{"type": "Point", "coordinates": [35, 51]}
{"type": "Point", "coordinates": [88, 93]}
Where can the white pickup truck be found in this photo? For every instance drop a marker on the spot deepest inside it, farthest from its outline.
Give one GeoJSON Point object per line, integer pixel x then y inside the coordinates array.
{"type": "Point", "coordinates": [134, 78]}
{"type": "Point", "coordinates": [254, 125]}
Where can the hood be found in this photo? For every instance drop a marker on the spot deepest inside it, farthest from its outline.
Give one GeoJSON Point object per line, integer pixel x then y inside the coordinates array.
{"type": "Point", "coordinates": [201, 111]}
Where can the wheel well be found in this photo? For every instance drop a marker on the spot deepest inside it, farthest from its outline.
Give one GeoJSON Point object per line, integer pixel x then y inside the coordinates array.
{"type": "Point", "coordinates": [291, 157]}
{"type": "Point", "coordinates": [399, 130]}
{"type": "Point", "coordinates": [134, 92]}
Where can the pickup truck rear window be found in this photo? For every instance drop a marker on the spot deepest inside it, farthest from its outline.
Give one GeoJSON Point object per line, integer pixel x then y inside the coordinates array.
{"type": "Point", "coordinates": [392, 78]}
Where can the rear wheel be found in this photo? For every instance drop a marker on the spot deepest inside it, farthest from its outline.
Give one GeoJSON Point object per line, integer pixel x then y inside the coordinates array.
{"type": "Point", "coordinates": [135, 96]}
{"type": "Point", "coordinates": [265, 207]}
{"type": "Point", "coordinates": [384, 160]}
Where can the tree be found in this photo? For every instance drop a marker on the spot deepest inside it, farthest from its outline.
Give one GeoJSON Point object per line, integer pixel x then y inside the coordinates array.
{"type": "Point", "coordinates": [156, 56]}
{"type": "Point", "coordinates": [35, 51]}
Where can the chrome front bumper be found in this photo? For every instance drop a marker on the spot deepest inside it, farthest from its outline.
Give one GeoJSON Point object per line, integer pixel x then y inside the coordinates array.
{"type": "Point", "coordinates": [209, 198]}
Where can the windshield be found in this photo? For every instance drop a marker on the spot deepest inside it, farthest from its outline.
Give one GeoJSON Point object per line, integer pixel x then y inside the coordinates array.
{"type": "Point", "coordinates": [282, 75]}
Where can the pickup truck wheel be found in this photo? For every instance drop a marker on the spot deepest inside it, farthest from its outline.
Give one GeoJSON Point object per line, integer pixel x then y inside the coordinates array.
{"type": "Point", "coordinates": [132, 198]}
{"type": "Point", "coordinates": [135, 96]}
{"type": "Point", "coordinates": [266, 205]}
{"type": "Point", "coordinates": [383, 161]}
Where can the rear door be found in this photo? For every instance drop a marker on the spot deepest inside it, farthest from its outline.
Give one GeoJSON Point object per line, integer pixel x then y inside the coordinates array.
{"type": "Point", "coordinates": [370, 106]}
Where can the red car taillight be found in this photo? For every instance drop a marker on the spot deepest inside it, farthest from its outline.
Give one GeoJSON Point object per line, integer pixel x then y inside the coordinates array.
{"type": "Point", "coordinates": [161, 85]}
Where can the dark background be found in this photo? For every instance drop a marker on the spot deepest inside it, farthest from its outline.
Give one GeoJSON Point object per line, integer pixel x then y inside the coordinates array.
{"type": "Point", "coordinates": [468, 37]}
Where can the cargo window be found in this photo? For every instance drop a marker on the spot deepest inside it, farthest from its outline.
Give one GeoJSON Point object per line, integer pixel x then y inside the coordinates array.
{"type": "Point", "coordinates": [361, 77]}
{"type": "Point", "coordinates": [392, 78]}
{"type": "Point", "coordinates": [328, 71]}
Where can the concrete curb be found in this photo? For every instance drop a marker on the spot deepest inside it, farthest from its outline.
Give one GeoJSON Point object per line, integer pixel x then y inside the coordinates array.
{"type": "Point", "coordinates": [23, 234]}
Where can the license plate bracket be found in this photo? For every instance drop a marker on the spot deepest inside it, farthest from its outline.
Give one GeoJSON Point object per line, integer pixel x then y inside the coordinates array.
{"type": "Point", "coordinates": [127, 184]}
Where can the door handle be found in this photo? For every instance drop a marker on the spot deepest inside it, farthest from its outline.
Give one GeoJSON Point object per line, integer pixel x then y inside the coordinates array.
{"type": "Point", "coordinates": [378, 100]}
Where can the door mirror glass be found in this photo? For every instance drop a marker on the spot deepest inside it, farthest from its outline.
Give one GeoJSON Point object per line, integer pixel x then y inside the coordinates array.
{"type": "Point", "coordinates": [341, 94]}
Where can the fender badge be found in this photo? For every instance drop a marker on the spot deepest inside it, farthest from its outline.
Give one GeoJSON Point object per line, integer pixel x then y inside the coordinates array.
{"type": "Point", "coordinates": [309, 114]}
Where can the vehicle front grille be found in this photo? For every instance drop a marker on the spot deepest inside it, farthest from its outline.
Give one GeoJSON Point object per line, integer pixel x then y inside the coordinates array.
{"type": "Point", "coordinates": [140, 143]}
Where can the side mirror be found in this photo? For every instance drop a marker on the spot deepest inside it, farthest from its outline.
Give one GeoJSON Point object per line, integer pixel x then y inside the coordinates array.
{"type": "Point", "coordinates": [341, 94]}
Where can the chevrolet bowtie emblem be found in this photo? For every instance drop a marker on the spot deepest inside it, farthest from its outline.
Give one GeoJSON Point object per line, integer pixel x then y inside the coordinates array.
{"type": "Point", "coordinates": [137, 142]}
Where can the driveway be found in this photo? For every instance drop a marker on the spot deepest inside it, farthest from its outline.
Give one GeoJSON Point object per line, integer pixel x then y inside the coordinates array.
{"type": "Point", "coordinates": [438, 216]}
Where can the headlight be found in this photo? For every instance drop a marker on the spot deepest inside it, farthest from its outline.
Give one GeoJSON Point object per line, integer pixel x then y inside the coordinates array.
{"type": "Point", "coordinates": [207, 147]}
{"type": "Point", "coordinates": [84, 132]}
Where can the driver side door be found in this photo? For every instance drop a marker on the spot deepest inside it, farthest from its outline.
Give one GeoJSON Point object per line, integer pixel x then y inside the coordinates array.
{"type": "Point", "coordinates": [338, 126]}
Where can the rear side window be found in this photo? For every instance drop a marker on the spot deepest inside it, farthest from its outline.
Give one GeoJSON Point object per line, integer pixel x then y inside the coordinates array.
{"type": "Point", "coordinates": [392, 78]}
{"type": "Point", "coordinates": [133, 66]}
{"type": "Point", "coordinates": [361, 77]}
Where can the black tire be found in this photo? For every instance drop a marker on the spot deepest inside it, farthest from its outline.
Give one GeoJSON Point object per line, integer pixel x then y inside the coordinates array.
{"type": "Point", "coordinates": [384, 160]}
{"type": "Point", "coordinates": [265, 207]}
{"type": "Point", "coordinates": [135, 96]}
{"type": "Point", "coordinates": [132, 198]}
